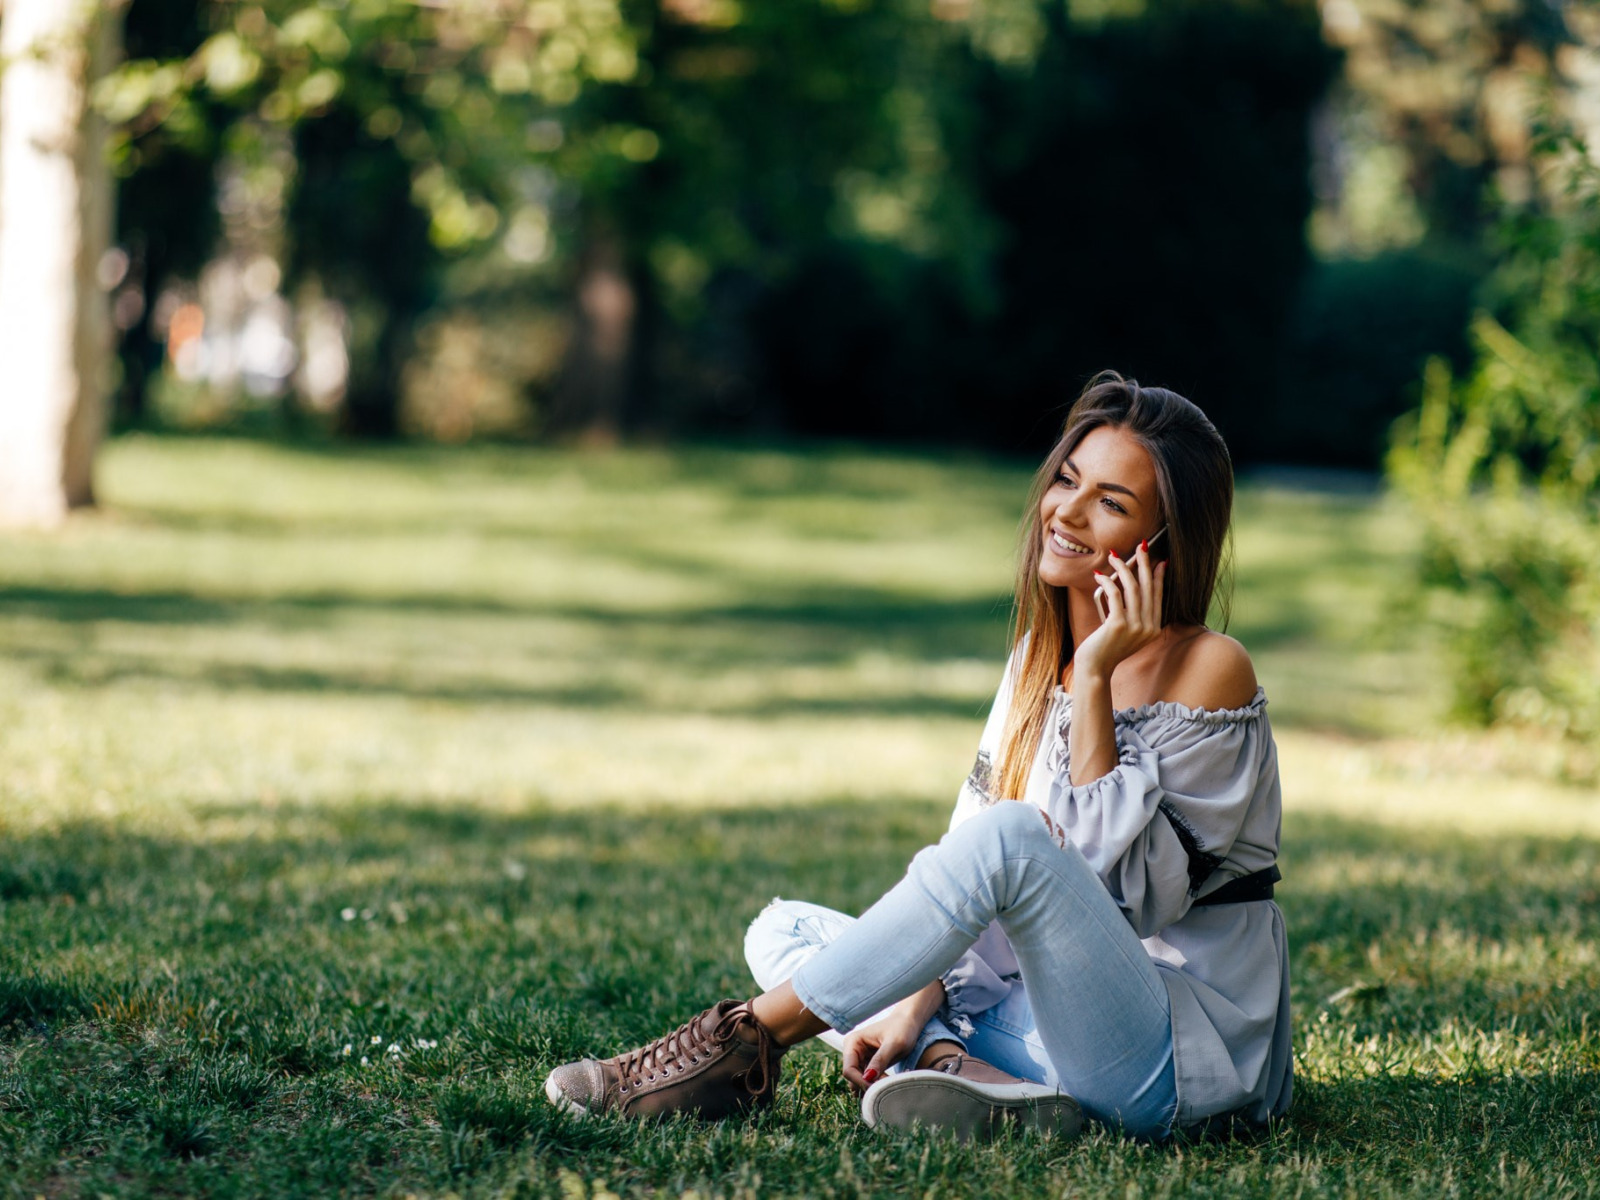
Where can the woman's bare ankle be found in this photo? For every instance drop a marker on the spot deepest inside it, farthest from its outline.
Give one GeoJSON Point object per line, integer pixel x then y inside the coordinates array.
{"type": "Point", "coordinates": [785, 1018]}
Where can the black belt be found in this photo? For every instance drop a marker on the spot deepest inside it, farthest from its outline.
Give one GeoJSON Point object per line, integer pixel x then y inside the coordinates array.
{"type": "Point", "coordinates": [1255, 886]}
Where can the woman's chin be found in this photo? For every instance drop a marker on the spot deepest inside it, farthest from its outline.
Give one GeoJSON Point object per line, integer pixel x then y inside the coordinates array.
{"type": "Point", "coordinates": [1069, 576]}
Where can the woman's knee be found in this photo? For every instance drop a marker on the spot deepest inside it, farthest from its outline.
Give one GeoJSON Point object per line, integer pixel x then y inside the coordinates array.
{"type": "Point", "coordinates": [764, 942]}
{"type": "Point", "coordinates": [1011, 826]}
{"type": "Point", "coordinates": [1006, 842]}
{"type": "Point", "coordinates": [985, 852]}
{"type": "Point", "coordinates": [784, 934]}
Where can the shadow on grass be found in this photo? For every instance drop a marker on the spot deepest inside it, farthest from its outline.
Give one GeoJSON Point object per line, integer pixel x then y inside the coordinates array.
{"type": "Point", "coordinates": [835, 608]}
{"type": "Point", "coordinates": [818, 628]}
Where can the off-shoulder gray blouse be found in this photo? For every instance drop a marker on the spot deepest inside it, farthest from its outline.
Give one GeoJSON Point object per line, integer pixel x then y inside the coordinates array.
{"type": "Point", "coordinates": [1193, 803]}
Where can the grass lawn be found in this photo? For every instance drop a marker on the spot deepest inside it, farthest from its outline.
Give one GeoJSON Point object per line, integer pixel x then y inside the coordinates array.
{"type": "Point", "coordinates": [344, 793]}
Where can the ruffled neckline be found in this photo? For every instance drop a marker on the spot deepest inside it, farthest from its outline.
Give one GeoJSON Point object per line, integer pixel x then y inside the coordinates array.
{"type": "Point", "coordinates": [1181, 712]}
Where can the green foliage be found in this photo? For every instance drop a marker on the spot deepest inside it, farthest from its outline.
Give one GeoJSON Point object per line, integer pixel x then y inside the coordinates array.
{"type": "Point", "coordinates": [896, 219]}
{"type": "Point", "coordinates": [1145, 183]}
{"type": "Point", "coordinates": [1435, 98]}
{"type": "Point", "coordinates": [1506, 467]}
{"type": "Point", "coordinates": [379, 138]}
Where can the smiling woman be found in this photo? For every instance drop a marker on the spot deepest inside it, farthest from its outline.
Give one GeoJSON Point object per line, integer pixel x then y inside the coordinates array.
{"type": "Point", "coordinates": [1132, 466]}
{"type": "Point", "coordinates": [1096, 934]}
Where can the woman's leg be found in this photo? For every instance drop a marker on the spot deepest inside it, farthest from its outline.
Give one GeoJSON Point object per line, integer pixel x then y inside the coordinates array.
{"type": "Point", "coordinates": [1100, 1006]}
{"type": "Point", "coordinates": [1106, 1026]}
{"type": "Point", "coordinates": [725, 1059]}
{"type": "Point", "coordinates": [1007, 1037]}
{"type": "Point", "coordinates": [789, 933]}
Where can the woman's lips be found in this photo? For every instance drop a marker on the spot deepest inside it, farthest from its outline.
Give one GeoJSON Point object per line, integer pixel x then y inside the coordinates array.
{"type": "Point", "coordinates": [1062, 544]}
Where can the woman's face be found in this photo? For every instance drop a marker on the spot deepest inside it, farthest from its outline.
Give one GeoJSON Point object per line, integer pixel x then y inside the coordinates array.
{"type": "Point", "coordinates": [1104, 499]}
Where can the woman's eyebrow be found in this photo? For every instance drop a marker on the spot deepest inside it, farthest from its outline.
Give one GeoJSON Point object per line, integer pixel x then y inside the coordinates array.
{"type": "Point", "coordinates": [1104, 487]}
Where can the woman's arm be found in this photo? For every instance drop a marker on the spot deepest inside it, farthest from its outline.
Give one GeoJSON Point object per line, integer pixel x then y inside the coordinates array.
{"type": "Point", "coordinates": [869, 1050]}
{"type": "Point", "coordinates": [1210, 671]}
{"type": "Point", "coordinates": [1133, 621]}
{"type": "Point", "coordinates": [1157, 824]}
{"type": "Point", "coordinates": [1092, 738]}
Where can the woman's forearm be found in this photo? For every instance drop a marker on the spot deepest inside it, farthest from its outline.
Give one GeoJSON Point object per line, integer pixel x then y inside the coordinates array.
{"type": "Point", "coordinates": [1092, 740]}
{"type": "Point", "coordinates": [919, 1007]}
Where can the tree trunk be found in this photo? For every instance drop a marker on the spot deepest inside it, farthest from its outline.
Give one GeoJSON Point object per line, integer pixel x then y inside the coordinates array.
{"type": "Point", "coordinates": [592, 398]}
{"type": "Point", "coordinates": [55, 226]}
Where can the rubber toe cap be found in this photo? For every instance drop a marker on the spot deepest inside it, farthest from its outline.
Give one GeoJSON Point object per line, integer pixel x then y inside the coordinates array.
{"type": "Point", "coordinates": [579, 1087]}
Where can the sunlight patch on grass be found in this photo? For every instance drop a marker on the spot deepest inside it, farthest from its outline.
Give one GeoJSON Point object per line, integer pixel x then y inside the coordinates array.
{"type": "Point", "coordinates": [1415, 784]}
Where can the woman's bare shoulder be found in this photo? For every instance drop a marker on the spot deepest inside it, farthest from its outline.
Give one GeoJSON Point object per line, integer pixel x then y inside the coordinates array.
{"type": "Point", "coordinates": [1210, 670]}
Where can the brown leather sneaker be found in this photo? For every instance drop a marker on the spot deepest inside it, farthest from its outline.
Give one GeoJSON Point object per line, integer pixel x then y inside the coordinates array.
{"type": "Point", "coordinates": [718, 1063]}
{"type": "Point", "coordinates": [971, 1099]}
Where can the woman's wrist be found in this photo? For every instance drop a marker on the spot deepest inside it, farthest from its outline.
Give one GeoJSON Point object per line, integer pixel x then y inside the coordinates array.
{"type": "Point", "coordinates": [1090, 682]}
{"type": "Point", "coordinates": [919, 1007]}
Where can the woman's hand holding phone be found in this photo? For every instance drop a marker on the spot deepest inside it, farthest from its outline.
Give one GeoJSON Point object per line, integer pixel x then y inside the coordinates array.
{"type": "Point", "coordinates": [1129, 598]}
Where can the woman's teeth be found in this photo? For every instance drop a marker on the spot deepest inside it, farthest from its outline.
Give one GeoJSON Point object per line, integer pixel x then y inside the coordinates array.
{"type": "Point", "coordinates": [1069, 547]}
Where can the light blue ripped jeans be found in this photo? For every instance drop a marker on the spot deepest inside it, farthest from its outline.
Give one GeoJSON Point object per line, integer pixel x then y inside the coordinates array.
{"type": "Point", "coordinates": [1089, 1015]}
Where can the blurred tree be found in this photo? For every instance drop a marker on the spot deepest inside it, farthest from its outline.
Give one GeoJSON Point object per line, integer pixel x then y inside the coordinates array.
{"type": "Point", "coordinates": [1140, 171]}
{"type": "Point", "coordinates": [1359, 333]}
{"type": "Point", "coordinates": [724, 166]}
{"type": "Point", "coordinates": [357, 233]}
{"type": "Point", "coordinates": [406, 122]}
{"type": "Point", "coordinates": [1153, 177]}
{"type": "Point", "coordinates": [831, 216]}
{"type": "Point", "coordinates": [1430, 120]}
{"type": "Point", "coordinates": [1439, 102]}
{"type": "Point", "coordinates": [55, 224]}
{"type": "Point", "coordinates": [164, 165]}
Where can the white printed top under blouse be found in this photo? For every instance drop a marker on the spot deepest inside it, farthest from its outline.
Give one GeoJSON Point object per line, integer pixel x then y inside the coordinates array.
{"type": "Point", "coordinates": [1193, 804]}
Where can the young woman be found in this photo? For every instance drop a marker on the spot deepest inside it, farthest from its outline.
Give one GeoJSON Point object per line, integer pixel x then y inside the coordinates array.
{"type": "Point", "coordinates": [1095, 935]}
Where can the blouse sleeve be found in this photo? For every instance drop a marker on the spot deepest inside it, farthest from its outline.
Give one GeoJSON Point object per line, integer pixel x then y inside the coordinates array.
{"type": "Point", "coordinates": [977, 790]}
{"type": "Point", "coordinates": [1161, 821]}
{"type": "Point", "coordinates": [972, 985]}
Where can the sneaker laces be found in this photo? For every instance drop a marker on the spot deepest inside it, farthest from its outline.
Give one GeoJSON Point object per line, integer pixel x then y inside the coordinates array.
{"type": "Point", "coordinates": [683, 1044]}
{"type": "Point", "coordinates": [731, 1020]}
{"type": "Point", "coordinates": [691, 1041]}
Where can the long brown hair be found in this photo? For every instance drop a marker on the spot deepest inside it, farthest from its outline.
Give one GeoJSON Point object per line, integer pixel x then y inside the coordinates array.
{"type": "Point", "coordinates": [1194, 488]}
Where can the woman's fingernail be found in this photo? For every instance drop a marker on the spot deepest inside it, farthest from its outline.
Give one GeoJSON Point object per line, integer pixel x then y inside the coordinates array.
{"type": "Point", "coordinates": [870, 1074]}
{"type": "Point", "coordinates": [1111, 553]}
{"type": "Point", "coordinates": [1144, 546]}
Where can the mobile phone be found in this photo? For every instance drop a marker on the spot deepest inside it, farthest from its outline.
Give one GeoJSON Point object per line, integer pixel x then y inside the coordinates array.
{"type": "Point", "coordinates": [1150, 545]}
{"type": "Point", "coordinates": [1099, 596]}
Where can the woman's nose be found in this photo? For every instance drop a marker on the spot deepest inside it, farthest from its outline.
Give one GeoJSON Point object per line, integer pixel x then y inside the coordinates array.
{"type": "Point", "coordinates": [1067, 504]}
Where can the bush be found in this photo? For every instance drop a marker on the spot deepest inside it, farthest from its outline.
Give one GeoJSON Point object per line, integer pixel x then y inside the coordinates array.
{"type": "Point", "coordinates": [1505, 467]}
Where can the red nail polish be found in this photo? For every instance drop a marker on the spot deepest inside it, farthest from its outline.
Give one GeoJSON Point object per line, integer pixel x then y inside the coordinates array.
{"type": "Point", "coordinates": [870, 1074]}
{"type": "Point", "coordinates": [1145, 546]}
{"type": "Point", "coordinates": [1111, 554]}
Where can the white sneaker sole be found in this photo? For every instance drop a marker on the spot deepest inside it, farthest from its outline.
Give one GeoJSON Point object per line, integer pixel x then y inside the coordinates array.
{"type": "Point", "coordinates": [972, 1111]}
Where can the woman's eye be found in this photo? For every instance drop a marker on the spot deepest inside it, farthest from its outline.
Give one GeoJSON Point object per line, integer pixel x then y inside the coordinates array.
{"type": "Point", "coordinates": [1115, 507]}
{"type": "Point", "coordinates": [1064, 481]}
